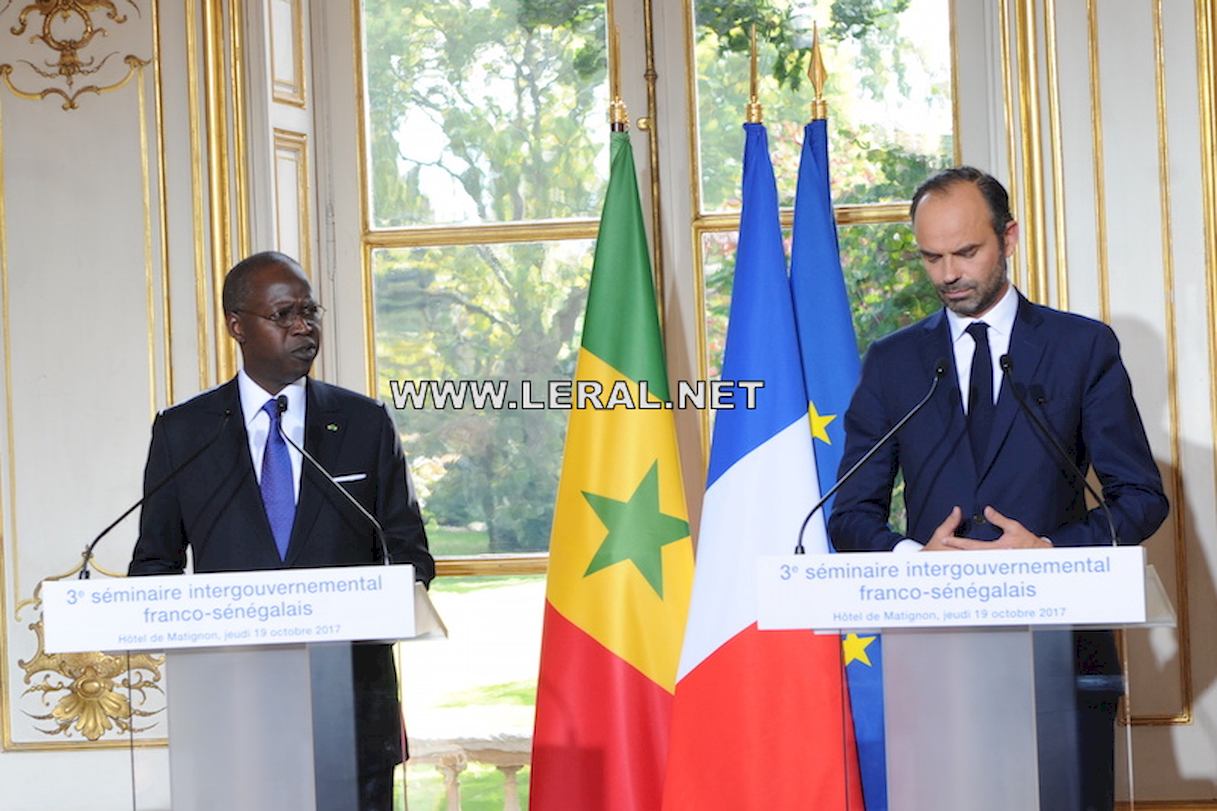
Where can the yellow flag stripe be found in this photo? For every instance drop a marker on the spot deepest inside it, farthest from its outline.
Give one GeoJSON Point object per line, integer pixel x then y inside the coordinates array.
{"type": "Point", "coordinates": [608, 452]}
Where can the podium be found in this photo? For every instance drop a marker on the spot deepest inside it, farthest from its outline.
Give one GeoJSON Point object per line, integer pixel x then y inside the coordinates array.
{"type": "Point", "coordinates": [978, 715]}
{"type": "Point", "coordinates": [261, 698]}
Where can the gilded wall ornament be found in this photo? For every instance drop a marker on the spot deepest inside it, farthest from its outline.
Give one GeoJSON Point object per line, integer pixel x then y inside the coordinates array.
{"type": "Point", "coordinates": [69, 31]}
{"type": "Point", "coordinates": [92, 692]}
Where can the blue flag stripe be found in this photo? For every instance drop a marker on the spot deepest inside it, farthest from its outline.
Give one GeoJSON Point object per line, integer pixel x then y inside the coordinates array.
{"type": "Point", "coordinates": [761, 338]}
{"type": "Point", "coordinates": [826, 330]}
{"type": "Point", "coordinates": [830, 369]}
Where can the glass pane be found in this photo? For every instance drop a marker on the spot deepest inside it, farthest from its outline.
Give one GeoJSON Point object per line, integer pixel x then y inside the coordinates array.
{"type": "Point", "coordinates": [484, 110]}
{"type": "Point", "coordinates": [887, 290]}
{"type": "Point", "coordinates": [474, 693]}
{"type": "Point", "coordinates": [889, 93]}
{"type": "Point", "coordinates": [887, 287]}
{"type": "Point", "coordinates": [483, 319]}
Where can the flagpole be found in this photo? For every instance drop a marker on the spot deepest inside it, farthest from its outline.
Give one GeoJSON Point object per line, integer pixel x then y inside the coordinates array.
{"type": "Point", "coordinates": [619, 116]}
{"type": "Point", "coordinates": [754, 113]}
{"type": "Point", "coordinates": [818, 76]}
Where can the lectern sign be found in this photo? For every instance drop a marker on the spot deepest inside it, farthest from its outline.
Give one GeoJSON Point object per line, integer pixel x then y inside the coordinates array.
{"type": "Point", "coordinates": [340, 603]}
{"type": "Point", "coordinates": [1065, 586]}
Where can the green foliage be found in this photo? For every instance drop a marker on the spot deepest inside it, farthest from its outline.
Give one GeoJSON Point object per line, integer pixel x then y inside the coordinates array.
{"type": "Point", "coordinates": [854, 19]}
{"type": "Point", "coordinates": [729, 23]}
{"type": "Point", "coordinates": [521, 693]}
{"type": "Point", "coordinates": [887, 286]}
{"type": "Point", "coordinates": [464, 585]}
{"type": "Point", "coordinates": [479, 99]}
{"type": "Point", "coordinates": [888, 97]}
{"type": "Point", "coordinates": [484, 111]}
{"type": "Point", "coordinates": [481, 788]}
{"type": "Point", "coordinates": [453, 540]}
{"type": "Point", "coordinates": [883, 276]}
{"type": "Point", "coordinates": [501, 312]}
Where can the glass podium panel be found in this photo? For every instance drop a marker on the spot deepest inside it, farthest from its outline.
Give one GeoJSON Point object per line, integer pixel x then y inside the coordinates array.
{"type": "Point", "coordinates": [286, 727]}
{"type": "Point", "coordinates": [1001, 717]}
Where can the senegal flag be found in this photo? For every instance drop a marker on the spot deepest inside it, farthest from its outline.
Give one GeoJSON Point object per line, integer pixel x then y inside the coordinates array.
{"type": "Point", "coordinates": [621, 560]}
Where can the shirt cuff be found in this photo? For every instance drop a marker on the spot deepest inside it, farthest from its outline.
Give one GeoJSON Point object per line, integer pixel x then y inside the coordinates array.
{"type": "Point", "coordinates": [908, 545]}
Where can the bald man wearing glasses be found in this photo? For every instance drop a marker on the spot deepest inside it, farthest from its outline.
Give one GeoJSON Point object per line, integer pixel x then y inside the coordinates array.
{"type": "Point", "coordinates": [252, 502]}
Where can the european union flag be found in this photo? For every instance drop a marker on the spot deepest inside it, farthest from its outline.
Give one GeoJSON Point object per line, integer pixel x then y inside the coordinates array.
{"type": "Point", "coordinates": [830, 370]}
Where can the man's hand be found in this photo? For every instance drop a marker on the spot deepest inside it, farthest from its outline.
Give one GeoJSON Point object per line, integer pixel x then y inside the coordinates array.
{"type": "Point", "coordinates": [1014, 535]}
{"type": "Point", "coordinates": [941, 540]}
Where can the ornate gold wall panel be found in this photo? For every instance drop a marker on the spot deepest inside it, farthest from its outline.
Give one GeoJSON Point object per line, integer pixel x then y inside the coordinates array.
{"type": "Point", "coordinates": [203, 321]}
{"type": "Point", "coordinates": [1096, 135]}
{"type": "Point", "coordinates": [219, 187]}
{"type": "Point", "coordinates": [1008, 92]}
{"type": "Point", "coordinates": [1058, 168]}
{"type": "Point", "coordinates": [287, 51]}
{"type": "Point", "coordinates": [1179, 506]}
{"type": "Point", "coordinates": [162, 199]}
{"type": "Point", "coordinates": [236, 104]}
{"type": "Point", "coordinates": [293, 196]}
{"type": "Point", "coordinates": [1033, 230]}
{"type": "Point", "coordinates": [51, 702]}
{"type": "Point", "coordinates": [61, 44]}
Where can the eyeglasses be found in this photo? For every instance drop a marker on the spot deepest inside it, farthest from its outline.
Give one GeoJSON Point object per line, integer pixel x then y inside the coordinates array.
{"type": "Point", "coordinates": [285, 317]}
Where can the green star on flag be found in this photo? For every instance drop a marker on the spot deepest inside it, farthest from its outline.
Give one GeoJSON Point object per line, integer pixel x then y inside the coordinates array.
{"type": "Point", "coordinates": [637, 530]}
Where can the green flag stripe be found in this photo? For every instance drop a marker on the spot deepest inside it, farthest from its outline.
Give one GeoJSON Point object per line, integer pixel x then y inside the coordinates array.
{"type": "Point", "coordinates": [622, 325]}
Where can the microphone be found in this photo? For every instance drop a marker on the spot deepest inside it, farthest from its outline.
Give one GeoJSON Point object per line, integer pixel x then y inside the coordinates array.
{"type": "Point", "coordinates": [1007, 367]}
{"type": "Point", "coordinates": [88, 553]}
{"type": "Point", "coordinates": [940, 371]}
{"type": "Point", "coordinates": [281, 402]}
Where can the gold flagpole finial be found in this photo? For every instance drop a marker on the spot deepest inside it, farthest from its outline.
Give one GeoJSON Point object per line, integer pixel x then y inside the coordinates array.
{"type": "Point", "coordinates": [619, 116]}
{"type": "Point", "coordinates": [753, 112]}
{"type": "Point", "coordinates": [818, 76]}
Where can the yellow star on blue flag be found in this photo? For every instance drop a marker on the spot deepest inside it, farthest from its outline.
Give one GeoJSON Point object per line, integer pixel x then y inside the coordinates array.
{"type": "Point", "coordinates": [855, 648]}
{"type": "Point", "coordinates": [819, 424]}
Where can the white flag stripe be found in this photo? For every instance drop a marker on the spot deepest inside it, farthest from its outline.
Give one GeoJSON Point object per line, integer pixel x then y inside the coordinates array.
{"type": "Point", "coordinates": [754, 509]}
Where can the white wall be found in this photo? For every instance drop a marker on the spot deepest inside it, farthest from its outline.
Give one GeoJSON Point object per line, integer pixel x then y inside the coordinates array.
{"type": "Point", "coordinates": [108, 303]}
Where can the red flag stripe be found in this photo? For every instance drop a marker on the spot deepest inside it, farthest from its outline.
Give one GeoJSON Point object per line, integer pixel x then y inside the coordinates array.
{"type": "Point", "coordinates": [755, 733]}
{"type": "Point", "coordinates": [601, 728]}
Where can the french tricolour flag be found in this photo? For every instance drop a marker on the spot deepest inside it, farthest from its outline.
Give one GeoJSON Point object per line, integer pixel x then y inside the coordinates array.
{"type": "Point", "coordinates": [760, 718]}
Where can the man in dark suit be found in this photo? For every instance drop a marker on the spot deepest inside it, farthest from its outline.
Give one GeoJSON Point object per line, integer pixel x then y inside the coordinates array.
{"type": "Point", "coordinates": [977, 473]}
{"type": "Point", "coordinates": [252, 502]}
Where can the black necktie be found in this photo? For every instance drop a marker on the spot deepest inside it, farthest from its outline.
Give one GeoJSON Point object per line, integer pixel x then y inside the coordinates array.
{"type": "Point", "coordinates": [980, 392]}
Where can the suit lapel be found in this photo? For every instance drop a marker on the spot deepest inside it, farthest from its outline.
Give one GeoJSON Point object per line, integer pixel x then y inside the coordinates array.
{"type": "Point", "coordinates": [1026, 351]}
{"type": "Point", "coordinates": [324, 431]}
{"type": "Point", "coordinates": [248, 496]}
{"type": "Point", "coordinates": [935, 346]}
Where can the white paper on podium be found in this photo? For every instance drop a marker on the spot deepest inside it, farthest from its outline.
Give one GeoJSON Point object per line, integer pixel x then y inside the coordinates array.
{"type": "Point", "coordinates": [277, 606]}
{"type": "Point", "coordinates": [1093, 585]}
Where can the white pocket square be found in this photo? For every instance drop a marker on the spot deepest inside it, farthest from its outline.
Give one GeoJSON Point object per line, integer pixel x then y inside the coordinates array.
{"type": "Point", "coordinates": [351, 477]}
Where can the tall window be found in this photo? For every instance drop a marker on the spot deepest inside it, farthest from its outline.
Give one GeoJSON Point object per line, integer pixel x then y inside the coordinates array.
{"type": "Point", "coordinates": [485, 163]}
{"type": "Point", "coordinates": [890, 126]}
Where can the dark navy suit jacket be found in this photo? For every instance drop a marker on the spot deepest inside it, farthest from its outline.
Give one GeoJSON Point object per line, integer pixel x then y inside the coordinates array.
{"type": "Point", "coordinates": [215, 507]}
{"type": "Point", "coordinates": [1069, 368]}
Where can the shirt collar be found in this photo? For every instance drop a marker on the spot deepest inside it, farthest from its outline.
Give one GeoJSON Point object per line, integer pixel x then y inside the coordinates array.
{"type": "Point", "coordinates": [253, 397]}
{"type": "Point", "coordinates": [1000, 318]}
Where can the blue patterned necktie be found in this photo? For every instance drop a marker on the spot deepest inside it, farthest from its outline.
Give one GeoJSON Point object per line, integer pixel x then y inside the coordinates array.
{"type": "Point", "coordinates": [980, 392]}
{"type": "Point", "coordinates": [278, 490]}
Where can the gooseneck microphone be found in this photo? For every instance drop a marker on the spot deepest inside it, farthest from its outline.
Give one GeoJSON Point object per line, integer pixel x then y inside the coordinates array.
{"type": "Point", "coordinates": [1007, 367]}
{"type": "Point", "coordinates": [281, 404]}
{"type": "Point", "coordinates": [940, 371]}
{"type": "Point", "coordinates": [87, 555]}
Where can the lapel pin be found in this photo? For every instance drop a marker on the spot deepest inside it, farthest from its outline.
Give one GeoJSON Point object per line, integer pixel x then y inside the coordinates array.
{"type": "Point", "coordinates": [333, 426]}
